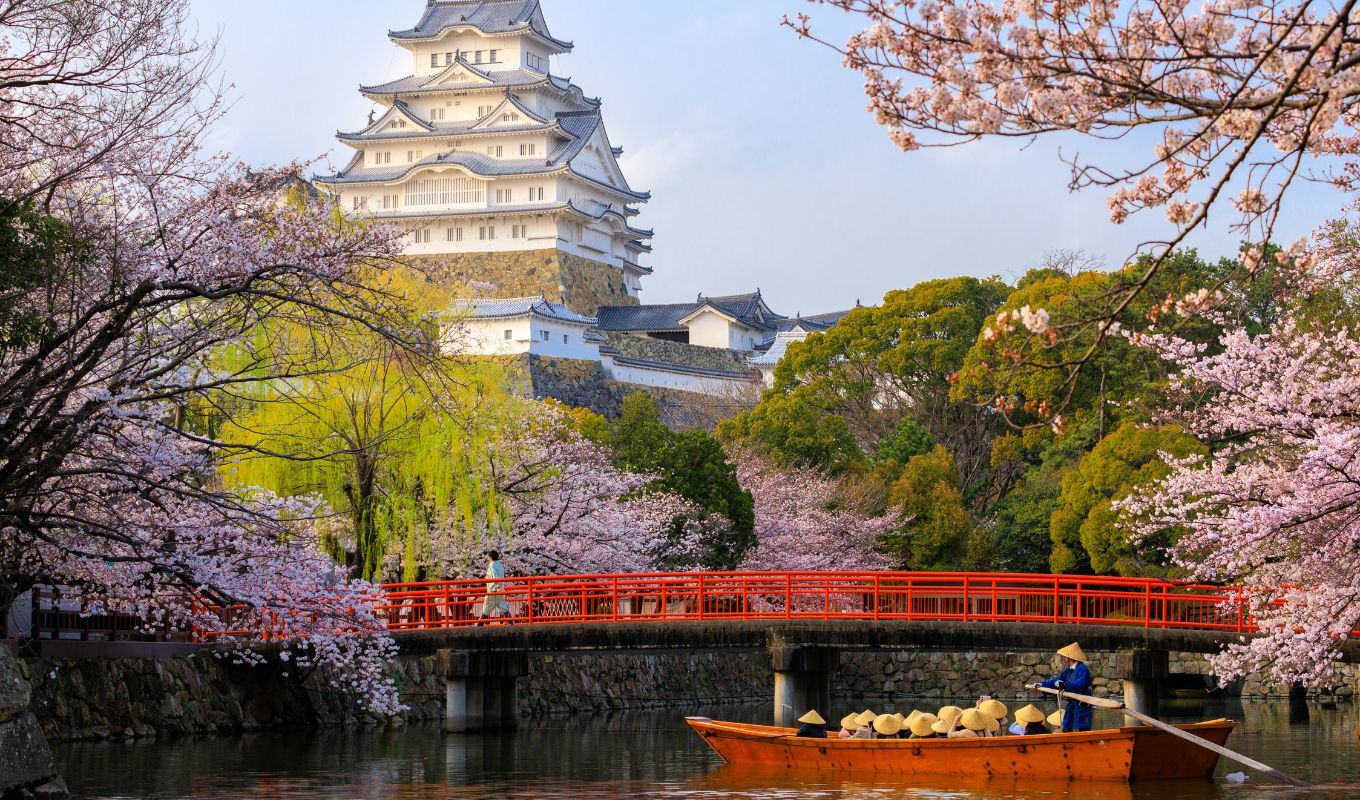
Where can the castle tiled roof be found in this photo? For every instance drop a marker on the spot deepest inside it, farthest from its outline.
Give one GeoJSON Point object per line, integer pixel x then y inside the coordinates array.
{"type": "Point", "coordinates": [776, 349]}
{"type": "Point", "coordinates": [645, 319]}
{"type": "Point", "coordinates": [748, 309]}
{"type": "Point", "coordinates": [500, 79]}
{"type": "Point", "coordinates": [484, 16]}
{"type": "Point", "coordinates": [519, 307]}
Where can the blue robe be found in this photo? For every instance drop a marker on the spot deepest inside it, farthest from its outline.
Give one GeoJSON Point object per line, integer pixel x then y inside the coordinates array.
{"type": "Point", "coordinates": [1075, 679]}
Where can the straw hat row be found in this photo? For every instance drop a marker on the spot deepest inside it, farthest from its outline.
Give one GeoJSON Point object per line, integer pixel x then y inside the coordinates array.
{"type": "Point", "coordinates": [983, 718]}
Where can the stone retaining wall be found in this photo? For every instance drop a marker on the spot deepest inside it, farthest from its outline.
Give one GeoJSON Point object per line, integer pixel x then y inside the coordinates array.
{"type": "Point", "coordinates": [201, 694]}
{"type": "Point", "coordinates": [581, 283]}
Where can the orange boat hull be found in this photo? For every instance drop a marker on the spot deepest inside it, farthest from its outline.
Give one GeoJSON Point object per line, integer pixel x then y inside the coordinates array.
{"type": "Point", "coordinates": [1124, 754]}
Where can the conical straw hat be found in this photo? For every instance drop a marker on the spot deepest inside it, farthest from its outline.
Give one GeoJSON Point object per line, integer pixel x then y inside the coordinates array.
{"type": "Point", "coordinates": [992, 724]}
{"type": "Point", "coordinates": [812, 718]}
{"type": "Point", "coordinates": [941, 726]}
{"type": "Point", "coordinates": [865, 719]}
{"type": "Point", "coordinates": [913, 715]}
{"type": "Point", "coordinates": [850, 721]}
{"type": "Point", "coordinates": [901, 718]}
{"type": "Point", "coordinates": [1073, 651]}
{"type": "Point", "coordinates": [1029, 714]}
{"type": "Point", "coordinates": [924, 725]}
{"type": "Point", "coordinates": [1056, 718]}
{"type": "Point", "coordinates": [950, 713]}
{"type": "Point", "coordinates": [994, 709]}
{"type": "Point", "coordinates": [975, 720]}
{"type": "Point", "coordinates": [887, 725]}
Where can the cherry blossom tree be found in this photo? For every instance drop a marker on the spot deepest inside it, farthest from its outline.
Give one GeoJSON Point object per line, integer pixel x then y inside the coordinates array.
{"type": "Point", "coordinates": [1274, 506]}
{"type": "Point", "coordinates": [803, 523]}
{"type": "Point", "coordinates": [1236, 101]}
{"type": "Point", "coordinates": [133, 262]}
{"type": "Point", "coordinates": [570, 510]}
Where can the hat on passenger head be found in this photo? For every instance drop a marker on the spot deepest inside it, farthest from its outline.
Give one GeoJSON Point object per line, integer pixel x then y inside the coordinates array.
{"type": "Point", "coordinates": [1074, 652]}
{"type": "Point", "coordinates": [812, 718]}
{"type": "Point", "coordinates": [994, 709]}
{"type": "Point", "coordinates": [850, 721]}
{"type": "Point", "coordinates": [975, 720]}
{"type": "Point", "coordinates": [866, 718]}
{"type": "Point", "coordinates": [901, 718]}
{"type": "Point", "coordinates": [887, 725]}
{"type": "Point", "coordinates": [950, 713]}
{"type": "Point", "coordinates": [913, 715]}
{"type": "Point", "coordinates": [1029, 714]}
{"type": "Point", "coordinates": [924, 725]}
{"type": "Point", "coordinates": [1056, 718]}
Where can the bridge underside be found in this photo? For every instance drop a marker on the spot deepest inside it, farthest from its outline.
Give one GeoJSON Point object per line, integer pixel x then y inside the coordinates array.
{"type": "Point", "coordinates": [839, 634]}
{"type": "Point", "coordinates": [481, 665]}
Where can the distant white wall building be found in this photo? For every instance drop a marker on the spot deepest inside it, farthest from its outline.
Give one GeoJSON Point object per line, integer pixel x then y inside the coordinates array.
{"type": "Point", "coordinates": [516, 326]}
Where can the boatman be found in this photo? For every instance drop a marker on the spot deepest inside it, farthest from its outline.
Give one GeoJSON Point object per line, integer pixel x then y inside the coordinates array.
{"type": "Point", "coordinates": [812, 727]}
{"type": "Point", "coordinates": [1075, 678]}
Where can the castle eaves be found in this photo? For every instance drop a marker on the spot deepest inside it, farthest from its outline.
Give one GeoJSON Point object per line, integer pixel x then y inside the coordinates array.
{"type": "Point", "coordinates": [490, 17]}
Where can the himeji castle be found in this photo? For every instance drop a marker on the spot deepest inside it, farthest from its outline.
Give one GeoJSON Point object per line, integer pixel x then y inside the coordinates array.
{"type": "Point", "coordinates": [505, 180]}
{"type": "Point", "coordinates": [495, 165]}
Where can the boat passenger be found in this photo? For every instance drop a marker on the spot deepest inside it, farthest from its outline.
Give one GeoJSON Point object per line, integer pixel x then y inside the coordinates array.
{"type": "Point", "coordinates": [849, 724]}
{"type": "Point", "coordinates": [1076, 678]}
{"type": "Point", "coordinates": [813, 726]}
{"type": "Point", "coordinates": [996, 710]}
{"type": "Point", "coordinates": [863, 721]}
{"type": "Point", "coordinates": [1029, 721]}
{"type": "Point", "coordinates": [887, 726]}
{"type": "Point", "coordinates": [948, 719]}
{"type": "Point", "coordinates": [1055, 719]}
{"type": "Point", "coordinates": [923, 727]}
{"type": "Point", "coordinates": [975, 725]}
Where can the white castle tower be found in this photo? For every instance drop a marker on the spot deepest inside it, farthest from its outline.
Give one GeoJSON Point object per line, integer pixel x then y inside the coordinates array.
{"type": "Point", "coordinates": [499, 170]}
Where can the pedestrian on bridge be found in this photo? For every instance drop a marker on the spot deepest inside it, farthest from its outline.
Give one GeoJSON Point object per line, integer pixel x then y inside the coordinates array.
{"type": "Point", "coordinates": [495, 604]}
{"type": "Point", "coordinates": [1075, 678]}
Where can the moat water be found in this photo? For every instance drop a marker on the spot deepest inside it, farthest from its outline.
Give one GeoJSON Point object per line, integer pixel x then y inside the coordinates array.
{"type": "Point", "coordinates": [652, 754]}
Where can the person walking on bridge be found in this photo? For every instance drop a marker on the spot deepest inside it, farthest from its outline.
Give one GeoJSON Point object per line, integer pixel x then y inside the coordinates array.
{"type": "Point", "coordinates": [495, 604]}
{"type": "Point", "coordinates": [1075, 678]}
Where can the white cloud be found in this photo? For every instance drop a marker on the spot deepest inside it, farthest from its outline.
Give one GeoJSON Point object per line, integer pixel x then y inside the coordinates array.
{"type": "Point", "coordinates": [656, 162]}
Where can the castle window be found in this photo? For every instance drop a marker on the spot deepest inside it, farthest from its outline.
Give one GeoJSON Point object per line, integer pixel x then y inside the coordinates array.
{"type": "Point", "coordinates": [486, 232]}
{"type": "Point", "coordinates": [566, 339]}
{"type": "Point", "coordinates": [534, 61]}
{"type": "Point", "coordinates": [528, 149]}
{"type": "Point", "coordinates": [390, 201]}
{"type": "Point", "coordinates": [434, 59]}
{"type": "Point", "coordinates": [482, 111]}
{"type": "Point", "coordinates": [495, 150]}
{"type": "Point", "coordinates": [448, 59]}
{"type": "Point", "coordinates": [436, 113]}
{"type": "Point", "coordinates": [504, 195]}
{"type": "Point", "coordinates": [509, 334]}
{"type": "Point", "coordinates": [479, 56]}
{"type": "Point", "coordinates": [360, 203]}
{"type": "Point", "coordinates": [455, 234]}
{"type": "Point", "coordinates": [445, 191]}
{"type": "Point", "coordinates": [493, 56]}
{"type": "Point", "coordinates": [420, 237]}
{"type": "Point", "coordinates": [547, 336]}
{"type": "Point", "coordinates": [519, 232]}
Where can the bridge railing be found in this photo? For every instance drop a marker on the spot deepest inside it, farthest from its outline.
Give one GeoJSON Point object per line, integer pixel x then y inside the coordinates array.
{"type": "Point", "coordinates": [943, 596]}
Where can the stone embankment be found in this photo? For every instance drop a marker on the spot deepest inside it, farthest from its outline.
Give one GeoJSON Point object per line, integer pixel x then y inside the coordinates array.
{"type": "Point", "coordinates": [26, 765]}
{"type": "Point", "coordinates": [203, 695]}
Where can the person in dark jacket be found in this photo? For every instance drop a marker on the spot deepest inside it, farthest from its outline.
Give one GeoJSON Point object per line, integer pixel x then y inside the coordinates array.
{"type": "Point", "coordinates": [1075, 678]}
{"type": "Point", "coordinates": [812, 727]}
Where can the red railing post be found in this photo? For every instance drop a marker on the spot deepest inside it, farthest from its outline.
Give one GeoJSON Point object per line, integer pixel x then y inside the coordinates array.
{"type": "Point", "coordinates": [878, 593]}
{"type": "Point", "coordinates": [703, 601]}
{"type": "Point", "coordinates": [617, 600]}
{"type": "Point", "coordinates": [967, 601]}
{"type": "Point", "coordinates": [788, 595]}
{"type": "Point", "coordinates": [1147, 612]}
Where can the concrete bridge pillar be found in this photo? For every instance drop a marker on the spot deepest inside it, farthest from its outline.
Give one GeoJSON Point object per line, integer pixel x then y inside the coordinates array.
{"type": "Point", "coordinates": [802, 681]}
{"type": "Point", "coordinates": [1142, 672]}
{"type": "Point", "coordinates": [480, 689]}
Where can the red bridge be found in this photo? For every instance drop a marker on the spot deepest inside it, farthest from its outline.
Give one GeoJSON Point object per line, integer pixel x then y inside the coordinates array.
{"type": "Point", "coordinates": [938, 596]}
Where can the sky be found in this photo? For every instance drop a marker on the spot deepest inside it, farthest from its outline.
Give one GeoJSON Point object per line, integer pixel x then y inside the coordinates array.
{"type": "Point", "coordinates": [765, 168]}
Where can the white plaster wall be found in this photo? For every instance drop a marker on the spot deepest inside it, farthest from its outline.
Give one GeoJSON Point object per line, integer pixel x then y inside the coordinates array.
{"type": "Point", "coordinates": [575, 345]}
{"type": "Point", "coordinates": [486, 337]}
{"type": "Point", "coordinates": [709, 329]}
{"type": "Point", "coordinates": [642, 376]}
{"type": "Point", "coordinates": [508, 52]}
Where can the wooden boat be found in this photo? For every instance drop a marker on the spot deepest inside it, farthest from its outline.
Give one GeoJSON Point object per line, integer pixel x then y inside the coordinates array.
{"type": "Point", "coordinates": [1122, 754]}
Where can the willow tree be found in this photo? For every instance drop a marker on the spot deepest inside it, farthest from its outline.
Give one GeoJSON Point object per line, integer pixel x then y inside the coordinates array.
{"type": "Point", "coordinates": [399, 448]}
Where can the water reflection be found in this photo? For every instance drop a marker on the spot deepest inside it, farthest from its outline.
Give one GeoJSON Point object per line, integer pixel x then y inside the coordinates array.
{"type": "Point", "coordinates": [649, 755]}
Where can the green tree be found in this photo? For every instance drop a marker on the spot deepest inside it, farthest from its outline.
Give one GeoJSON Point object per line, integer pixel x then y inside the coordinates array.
{"type": "Point", "coordinates": [791, 432]}
{"type": "Point", "coordinates": [1085, 529]}
{"type": "Point", "coordinates": [693, 465]}
{"type": "Point", "coordinates": [938, 527]}
{"type": "Point", "coordinates": [905, 442]}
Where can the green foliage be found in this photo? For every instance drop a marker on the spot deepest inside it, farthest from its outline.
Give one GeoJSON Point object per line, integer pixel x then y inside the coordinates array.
{"type": "Point", "coordinates": [791, 432]}
{"type": "Point", "coordinates": [1084, 526]}
{"type": "Point", "coordinates": [938, 527]}
{"type": "Point", "coordinates": [32, 246]}
{"type": "Point", "coordinates": [905, 442]}
{"type": "Point", "coordinates": [693, 465]}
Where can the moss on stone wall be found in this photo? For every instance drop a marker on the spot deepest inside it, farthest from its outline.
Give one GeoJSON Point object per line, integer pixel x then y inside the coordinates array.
{"type": "Point", "coordinates": [581, 283]}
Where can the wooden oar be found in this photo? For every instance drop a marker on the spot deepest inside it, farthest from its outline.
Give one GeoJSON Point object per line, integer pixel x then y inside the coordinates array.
{"type": "Point", "coordinates": [1284, 777]}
